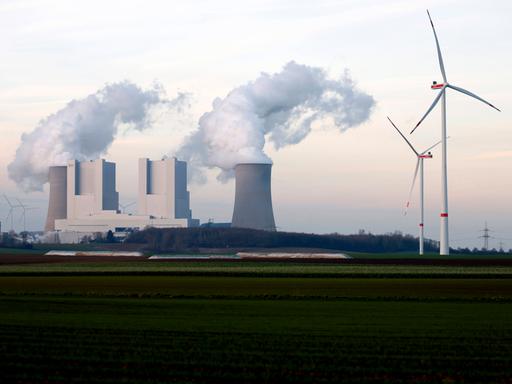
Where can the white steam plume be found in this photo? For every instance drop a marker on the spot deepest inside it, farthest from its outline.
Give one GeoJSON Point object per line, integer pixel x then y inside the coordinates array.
{"type": "Point", "coordinates": [85, 129]}
{"type": "Point", "coordinates": [281, 108]}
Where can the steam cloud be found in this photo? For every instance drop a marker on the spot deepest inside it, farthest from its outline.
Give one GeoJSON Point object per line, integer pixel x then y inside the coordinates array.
{"type": "Point", "coordinates": [281, 108]}
{"type": "Point", "coordinates": [85, 129]}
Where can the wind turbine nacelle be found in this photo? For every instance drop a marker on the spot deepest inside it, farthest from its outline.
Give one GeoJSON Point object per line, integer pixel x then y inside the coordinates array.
{"type": "Point", "coordinates": [426, 156]}
{"type": "Point", "coordinates": [435, 85]}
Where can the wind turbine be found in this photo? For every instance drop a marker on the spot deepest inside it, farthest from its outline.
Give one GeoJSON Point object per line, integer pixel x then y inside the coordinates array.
{"type": "Point", "coordinates": [24, 208]}
{"type": "Point", "coordinates": [419, 166]}
{"type": "Point", "coordinates": [124, 206]}
{"type": "Point", "coordinates": [11, 212]}
{"type": "Point", "coordinates": [444, 246]}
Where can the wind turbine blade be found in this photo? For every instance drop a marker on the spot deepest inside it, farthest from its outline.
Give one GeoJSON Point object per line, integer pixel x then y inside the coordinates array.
{"type": "Point", "coordinates": [8, 201]}
{"type": "Point", "coordinates": [466, 92]}
{"type": "Point", "coordinates": [433, 146]}
{"type": "Point", "coordinates": [436, 100]}
{"type": "Point", "coordinates": [412, 186]}
{"type": "Point", "coordinates": [401, 134]}
{"type": "Point", "coordinates": [439, 56]}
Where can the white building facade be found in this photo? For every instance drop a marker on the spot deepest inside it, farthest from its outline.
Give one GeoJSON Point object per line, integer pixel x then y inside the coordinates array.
{"type": "Point", "coordinates": [163, 189]}
{"type": "Point", "coordinates": [91, 188]}
{"type": "Point", "coordinates": [93, 202]}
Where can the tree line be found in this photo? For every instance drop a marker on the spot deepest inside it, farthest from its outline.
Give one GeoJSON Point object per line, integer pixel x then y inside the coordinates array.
{"type": "Point", "coordinates": [188, 239]}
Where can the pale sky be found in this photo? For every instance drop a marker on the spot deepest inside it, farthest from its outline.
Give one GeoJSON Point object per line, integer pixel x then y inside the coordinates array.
{"type": "Point", "coordinates": [56, 51]}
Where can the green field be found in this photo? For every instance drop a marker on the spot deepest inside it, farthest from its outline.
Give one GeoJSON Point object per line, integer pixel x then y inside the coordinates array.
{"type": "Point", "coordinates": [145, 322]}
{"type": "Point", "coordinates": [255, 269]}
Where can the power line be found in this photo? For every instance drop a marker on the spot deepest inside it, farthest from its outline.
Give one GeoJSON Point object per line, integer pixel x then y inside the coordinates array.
{"type": "Point", "coordinates": [459, 240]}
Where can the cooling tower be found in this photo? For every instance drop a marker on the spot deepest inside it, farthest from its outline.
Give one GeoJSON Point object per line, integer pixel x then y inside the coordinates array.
{"type": "Point", "coordinates": [57, 205]}
{"type": "Point", "coordinates": [253, 200]}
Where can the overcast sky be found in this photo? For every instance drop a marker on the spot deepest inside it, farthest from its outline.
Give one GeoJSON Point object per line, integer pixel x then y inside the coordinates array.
{"type": "Point", "coordinates": [56, 51]}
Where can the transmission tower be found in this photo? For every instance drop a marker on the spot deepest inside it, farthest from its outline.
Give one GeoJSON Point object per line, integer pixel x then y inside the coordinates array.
{"type": "Point", "coordinates": [486, 237]}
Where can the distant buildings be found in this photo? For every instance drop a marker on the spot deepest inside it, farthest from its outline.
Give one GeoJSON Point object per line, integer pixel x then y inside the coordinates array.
{"type": "Point", "coordinates": [84, 200]}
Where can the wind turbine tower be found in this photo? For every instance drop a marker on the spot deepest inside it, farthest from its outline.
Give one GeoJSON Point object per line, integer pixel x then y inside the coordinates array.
{"type": "Point", "coordinates": [444, 244]}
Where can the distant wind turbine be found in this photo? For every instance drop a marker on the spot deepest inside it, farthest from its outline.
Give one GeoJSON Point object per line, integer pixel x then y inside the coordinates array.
{"type": "Point", "coordinates": [10, 215]}
{"type": "Point", "coordinates": [419, 166]}
{"type": "Point", "coordinates": [23, 218]}
{"type": "Point", "coordinates": [124, 206]}
{"type": "Point", "coordinates": [444, 246]}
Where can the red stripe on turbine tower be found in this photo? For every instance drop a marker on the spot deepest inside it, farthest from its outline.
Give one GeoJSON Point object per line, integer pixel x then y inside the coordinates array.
{"type": "Point", "coordinates": [444, 215]}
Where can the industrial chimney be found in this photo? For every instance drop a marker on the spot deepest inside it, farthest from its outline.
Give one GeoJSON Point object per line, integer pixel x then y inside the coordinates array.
{"type": "Point", "coordinates": [57, 205]}
{"type": "Point", "coordinates": [253, 199]}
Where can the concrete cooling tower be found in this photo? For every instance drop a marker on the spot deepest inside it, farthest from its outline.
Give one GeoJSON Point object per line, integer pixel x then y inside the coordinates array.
{"type": "Point", "coordinates": [253, 200]}
{"type": "Point", "coordinates": [57, 206]}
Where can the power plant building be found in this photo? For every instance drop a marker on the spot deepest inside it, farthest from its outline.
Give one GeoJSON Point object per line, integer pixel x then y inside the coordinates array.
{"type": "Point", "coordinates": [91, 188]}
{"type": "Point", "coordinates": [163, 189]}
{"type": "Point", "coordinates": [84, 200]}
